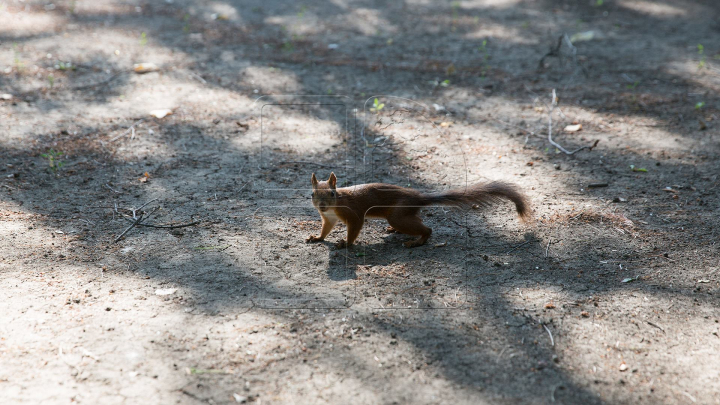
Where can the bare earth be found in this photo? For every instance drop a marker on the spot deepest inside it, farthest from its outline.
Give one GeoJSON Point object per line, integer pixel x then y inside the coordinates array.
{"type": "Point", "coordinates": [610, 296]}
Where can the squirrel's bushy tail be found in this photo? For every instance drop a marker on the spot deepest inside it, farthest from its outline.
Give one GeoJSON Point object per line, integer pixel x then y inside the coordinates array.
{"type": "Point", "coordinates": [482, 194]}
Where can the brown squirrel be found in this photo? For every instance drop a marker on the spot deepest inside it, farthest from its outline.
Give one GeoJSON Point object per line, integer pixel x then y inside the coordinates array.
{"type": "Point", "coordinates": [399, 206]}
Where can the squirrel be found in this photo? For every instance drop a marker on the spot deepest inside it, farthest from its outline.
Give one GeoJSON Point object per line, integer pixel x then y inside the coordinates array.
{"type": "Point", "coordinates": [399, 206]}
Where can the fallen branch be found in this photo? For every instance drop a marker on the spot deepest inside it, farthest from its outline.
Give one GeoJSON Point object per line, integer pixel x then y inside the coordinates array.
{"type": "Point", "coordinates": [555, 144]}
{"type": "Point", "coordinates": [656, 326]}
{"type": "Point", "coordinates": [131, 129]}
{"type": "Point", "coordinates": [517, 247]}
{"type": "Point", "coordinates": [134, 224]}
{"type": "Point", "coordinates": [164, 226]}
{"type": "Point", "coordinates": [136, 220]}
{"type": "Point", "coordinates": [302, 162]}
{"type": "Point", "coordinates": [101, 83]}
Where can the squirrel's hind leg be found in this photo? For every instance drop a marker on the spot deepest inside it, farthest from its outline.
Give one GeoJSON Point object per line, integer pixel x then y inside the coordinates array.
{"type": "Point", "coordinates": [410, 224]}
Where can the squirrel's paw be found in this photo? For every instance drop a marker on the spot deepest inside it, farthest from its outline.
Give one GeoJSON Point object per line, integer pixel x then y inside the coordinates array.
{"type": "Point", "coordinates": [413, 243]}
{"type": "Point", "coordinates": [341, 244]}
{"type": "Point", "coordinates": [313, 238]}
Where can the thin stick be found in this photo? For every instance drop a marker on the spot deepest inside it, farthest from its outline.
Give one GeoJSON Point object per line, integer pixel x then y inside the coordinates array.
{"type": "Point", "coordinates": [694, 401]}
{"type": "Point", "coordinates": [552, 341]}
{"type": "Point", "coordinates": [171, 226]}
{"type": "Point", "coordinates": [87, 86]}
{"type": "Point", "coordinates": [144, 205]}
{"type": "Point", "coordinates": [655, 325]}
{"type": "Point", "coordinates": [547, 249]}
{"type": "Point", "coordinates": [552, 394]}
{"type": "Point", "coordinates": [517, 247]}
{"type": "Point", "coordinates": [166, 226]}
{"type": "Point", "coordinates": [555, 144]}
{"type": "Point", "coordinates": [307, 163]}
{"type": "Point", "coordinates": [197, 76]}
{"type": "Point", "coordinates": [129, 130]}
{"type": "Point", "coordinates": [137, 221]}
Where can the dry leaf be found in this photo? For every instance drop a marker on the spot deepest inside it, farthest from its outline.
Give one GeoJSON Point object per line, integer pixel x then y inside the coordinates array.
{"type": "Point", "coordinates": [145, 67]}
{"type": "Point", "coordinates": [550, 305]}
{"type": "Point", "coordinates": [161, 113]}
{"type": "Point", "coordinates": [445, 124]}
{"type": "Point", "coordinates": [144, 178]}
{"type": "Point", "coordinates": [585, 314]}
{"type": "Point", "coordinates": [573, 128]}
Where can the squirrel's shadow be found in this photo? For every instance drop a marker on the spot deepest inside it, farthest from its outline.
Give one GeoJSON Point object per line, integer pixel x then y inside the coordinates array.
{"type": "Point", "coordinates": [465, 256]}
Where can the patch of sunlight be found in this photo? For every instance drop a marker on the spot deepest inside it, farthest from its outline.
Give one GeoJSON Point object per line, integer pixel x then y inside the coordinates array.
{"type": "Point", "coordinates": [271, 80]}
{"type": "Point", "coordinates": [498, 31]}
{"type": "Point", "coordinates": [654, 8]}
{"type": "Point", "coordinates": [22, 24]}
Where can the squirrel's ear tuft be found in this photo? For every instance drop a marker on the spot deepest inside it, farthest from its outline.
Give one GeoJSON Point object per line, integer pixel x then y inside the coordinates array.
{"type": "Point", "coordinates": [314, 180]}
{"type": "Point", "coordinates": [332, 180]}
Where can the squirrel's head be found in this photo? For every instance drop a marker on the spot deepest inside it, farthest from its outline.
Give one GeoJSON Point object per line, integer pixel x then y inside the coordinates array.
{"type": "Point", "coordinates": [324, 194]}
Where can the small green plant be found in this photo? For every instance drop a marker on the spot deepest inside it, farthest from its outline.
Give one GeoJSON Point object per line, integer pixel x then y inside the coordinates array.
{"type": "Point", "coordinates": [699, 105]}
{"type": "Point", "coordinates": [19, 65]}
{"type": "Point", "coordinates": [51, 80]}
{"type": "Point", "coordinates": [703, 57]}
{"type": "Point", "coordinates": [455, 5]}
{"type": "Point", "coordinates": [437, 82]}
{"type": "Point", "coordinates": [599, 3]}
{"type": "Point", "coordinates": [288, 46]}
{"type": "Point", "coordinates": [53, 158]}
{"type": "Point", "coordinates": [638, 169]}
{"type": "Point", "coordinates": [186, 20]}
{"type": "Point", "coordinates": [632, 86]}
{"type": "Point", "coordinates": [143, 39]}
{"type": "Point", "coordinates": [485, 58]}
{"type": "Point", "coordinates": [65, 66]}
{"type": "Point", "coordinates": [302, 11]}
{"type": "Point", "coordinates": [377, 106]}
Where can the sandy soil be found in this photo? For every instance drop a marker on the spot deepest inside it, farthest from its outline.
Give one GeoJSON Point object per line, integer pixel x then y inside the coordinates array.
{"type": "Point", "coordinates": [610, 296]}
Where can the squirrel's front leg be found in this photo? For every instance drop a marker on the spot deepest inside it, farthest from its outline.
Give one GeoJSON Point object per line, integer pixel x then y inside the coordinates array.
{"type": "Point", "coordinates": [327, 226]}
{"type": "Point", "coordinates": [353, 230]}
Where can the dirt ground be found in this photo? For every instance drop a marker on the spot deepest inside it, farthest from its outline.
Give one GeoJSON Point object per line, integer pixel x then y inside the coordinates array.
{"type": "Point", "coordinates": [611, 295]}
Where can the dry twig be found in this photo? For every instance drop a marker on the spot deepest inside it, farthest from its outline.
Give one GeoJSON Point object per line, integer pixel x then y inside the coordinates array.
{"type": "Point", "coordinates": [552, 341]}
{"type": "Point", "coordinates": [131, 129]}
{"type": "Point", "coordinates": [555, 144]}
{"type": "Point", "coordinates": [136, 220]}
